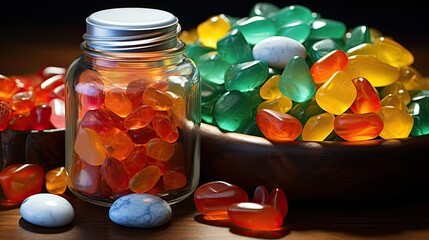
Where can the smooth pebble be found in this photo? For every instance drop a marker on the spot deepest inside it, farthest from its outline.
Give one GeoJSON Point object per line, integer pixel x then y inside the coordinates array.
{"type": "Point", "coordinates": [140, 211]}
{"type": "Point", "coordinates": [47, 210]}
{"type": "Point", "coordinates": [276, 51]}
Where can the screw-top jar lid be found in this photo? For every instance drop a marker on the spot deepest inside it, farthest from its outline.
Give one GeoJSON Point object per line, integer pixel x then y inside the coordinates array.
{"type": "Point", "coordinates": [131, 29]}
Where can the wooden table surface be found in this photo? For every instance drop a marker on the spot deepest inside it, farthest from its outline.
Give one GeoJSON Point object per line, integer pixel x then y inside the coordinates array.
{"type": "Point", "coordinates": [27, 50]}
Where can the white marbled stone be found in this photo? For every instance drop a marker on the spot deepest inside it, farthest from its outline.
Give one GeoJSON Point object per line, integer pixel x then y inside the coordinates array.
{"type": "Point", "coordinates": [47, 210]}
{"type": "Point", "coordinates": [140, 211]}
{"type": "Point", "coordinates": [276, 51]}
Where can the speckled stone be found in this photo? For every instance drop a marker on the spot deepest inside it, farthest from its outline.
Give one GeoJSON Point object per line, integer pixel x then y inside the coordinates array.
{"type": "Point", "coordinates": [47, 210]}
{"type": "Point", "coordinates": [140, 211]}
{"type": "Point", "coordinates": [276, 51]}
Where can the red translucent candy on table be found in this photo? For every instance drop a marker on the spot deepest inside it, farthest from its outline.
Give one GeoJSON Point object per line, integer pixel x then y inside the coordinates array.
{"type": "Point", "coordinates": [261, 195]}
{"type": "Point", "coordinates": [20, 181]}
{"type": "Point", "coordinates": [278, 201]}
{"type": "Point", "coordinates": [214, 198]}
{"type": "Point", "coordinates": [40, 116]}
{"type": "Point", "coordinates": [56, 180]}
{"type": "Point", "coordinates": [5, 112]}
{"type": "Point", "coordinates": [255, 216]}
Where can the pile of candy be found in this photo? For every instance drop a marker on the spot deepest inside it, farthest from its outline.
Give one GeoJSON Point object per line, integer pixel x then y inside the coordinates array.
{"type": "Point", "coordinates": [221, 200]}
{"type": "Point", "coordinates": [288, 73]}
{"type": "Point", "coordinates": [19, 181]}
{"type": "Point", "coordinates": [34, 101]}
{"type": "Point", "coordinates": [31, 102]}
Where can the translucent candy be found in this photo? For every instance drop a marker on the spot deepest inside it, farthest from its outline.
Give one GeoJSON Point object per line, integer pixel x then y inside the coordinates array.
{"type": "Point", "coordinates": [323, 69]}
{"type": "Point", "coordinates": [19, 181]}
{"type": "Point", "coordinates": [337, 94]}
{"type": "Point", "coordinates": [318, 127]}
{"type": "Point", "coordinates": [234, 48]}
{"type": "Point", "coordinates": [322, 28]}
{"type": "Point", "coordinates": [213, 29]}
{"type": "Point", "coordinates": [320, 48]}
{"type": "Point", "coordinates": [366, 99]}
{"type": "Point", "coordinates": [117, 101]}
{"type": "Point", "coordinates": [90, 147]}
{"type": "Point", "coordinates": [263, 9]}
{"type": "Point", "coordinates": [5, 112]}
{"type": "Point", "coordinates": [358, 35]}
{"type": "Point", "coordinates": [246, 76]}
{"type": "Point", "coordinates": [212, 67]}
{"type": "Point", "coordinates": [393, 53]}
{"type": "Point", "coordinates": [419, 110]}
{"type": "Point", "coordinates": [114, 174]}
{"type": "Point", "coordinates": [270, 90]}
{"type": "Point", "coordinates": [255, 216]}
{"type": "Point", "coordinates": [292, 14]}
{"type": "Point", "coordinates": [56, 180]}
{"type": "Point", "coordinates": [261, 195]}
{"type": "Point", "coordinates": [214, 198]}
{"type": "Point", "coordinates": [231, 109]}
{"type": "Point", "coordinates": [378, 73]}
{"type": "Point", "coordinates": [296, 81]}
{"type": "Point", "coordinates": [145, 179]}
{"type": "Point", "coordinates": [358, 127]}
{"type": "Point", "coordinates": [277, 126]}
{"type": "Point", "coordinates": [397, 89]}
{"type": "Point", "coordinates": [397, 123]}
{"type": "Point", "coordinates": [40, 116]}
{"type": "Point", "coordinates": [255, 28]}
{"type": "Point", "coordinates": [296, 30]}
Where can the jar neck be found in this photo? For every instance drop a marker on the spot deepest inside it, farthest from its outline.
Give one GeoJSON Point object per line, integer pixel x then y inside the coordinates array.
{"type": "Point", "coordinates": [153, 58]}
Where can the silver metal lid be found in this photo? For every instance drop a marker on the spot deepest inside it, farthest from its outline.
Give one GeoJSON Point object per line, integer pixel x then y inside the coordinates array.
{"type": "Point", "coordinates": [131, 29]}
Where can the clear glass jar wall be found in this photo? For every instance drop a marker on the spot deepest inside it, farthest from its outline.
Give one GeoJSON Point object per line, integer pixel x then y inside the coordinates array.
{"type": "Point", "coordinates": [132, 109]}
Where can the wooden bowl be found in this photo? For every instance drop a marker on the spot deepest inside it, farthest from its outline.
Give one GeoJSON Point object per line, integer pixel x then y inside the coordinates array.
{"type": "Point", "coordinates": [308, 171]}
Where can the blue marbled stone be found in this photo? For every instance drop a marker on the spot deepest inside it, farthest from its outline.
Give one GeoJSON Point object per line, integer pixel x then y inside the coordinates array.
{"type": "Point", "coordinates": [140, 211]}
{"type": "Point", "coordinates": [47, 210]}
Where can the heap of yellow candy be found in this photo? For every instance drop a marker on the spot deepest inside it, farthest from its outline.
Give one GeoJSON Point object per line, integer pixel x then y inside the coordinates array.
{"type": "Point", "coordinates": [289, 73]}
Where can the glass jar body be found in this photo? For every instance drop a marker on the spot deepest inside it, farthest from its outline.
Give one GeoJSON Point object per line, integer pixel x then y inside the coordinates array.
{"type": "Point", "coordinates": [132, 126]}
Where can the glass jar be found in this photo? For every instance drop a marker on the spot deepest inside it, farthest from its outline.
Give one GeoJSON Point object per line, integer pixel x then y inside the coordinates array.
{"type": "Point", "coordinates": [132, 109]}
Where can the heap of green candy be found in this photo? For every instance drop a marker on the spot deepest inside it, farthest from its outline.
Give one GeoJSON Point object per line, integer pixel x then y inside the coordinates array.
{"type": "Point", "coordinates": [290, 74]}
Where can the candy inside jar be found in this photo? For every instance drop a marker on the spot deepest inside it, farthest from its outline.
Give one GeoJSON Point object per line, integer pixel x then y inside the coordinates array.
{"type": "Point", "coordinates": [132, 109]}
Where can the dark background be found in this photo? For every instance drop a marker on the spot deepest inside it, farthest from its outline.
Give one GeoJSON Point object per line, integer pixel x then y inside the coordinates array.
{"type": "Point", "coordinates": [61, 24]}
